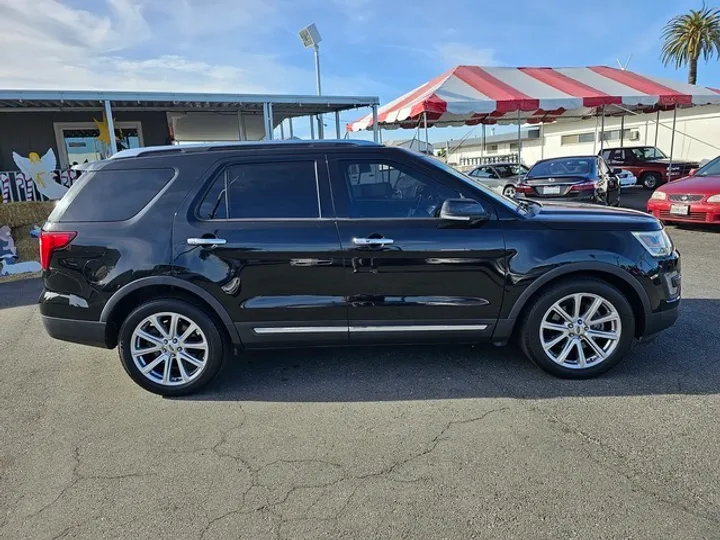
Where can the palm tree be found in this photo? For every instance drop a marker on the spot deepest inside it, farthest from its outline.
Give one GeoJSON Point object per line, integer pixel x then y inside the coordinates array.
{"type": "Point", "coordinates": [686, 37]}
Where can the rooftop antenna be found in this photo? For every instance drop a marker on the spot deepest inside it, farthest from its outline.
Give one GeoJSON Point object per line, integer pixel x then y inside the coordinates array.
{"type": "Point", "coordinates": [625, 65]}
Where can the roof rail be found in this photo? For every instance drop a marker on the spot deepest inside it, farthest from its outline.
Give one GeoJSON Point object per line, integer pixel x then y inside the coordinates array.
{"type": "Point", "coordinates": [206, 147]}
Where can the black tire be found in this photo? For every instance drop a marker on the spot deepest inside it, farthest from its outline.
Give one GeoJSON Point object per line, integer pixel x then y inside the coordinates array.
{"type": "Point", "coordinates": [217, 346]}
{"type": "Point", "coordinates": [651, 180]}
{"type": "Point", "coordinates": [530, 328]}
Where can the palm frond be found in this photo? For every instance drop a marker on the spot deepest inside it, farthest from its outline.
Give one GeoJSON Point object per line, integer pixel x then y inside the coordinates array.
{"type": "Point", "coordinates": [689, 36]}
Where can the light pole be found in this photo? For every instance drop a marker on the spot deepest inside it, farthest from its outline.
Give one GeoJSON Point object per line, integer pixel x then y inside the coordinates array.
{"type": "Point", "coordinates": [310, 37]}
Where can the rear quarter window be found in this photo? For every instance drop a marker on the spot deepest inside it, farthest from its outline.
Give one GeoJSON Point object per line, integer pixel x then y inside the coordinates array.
{"type": "Point", "coordinates": [110, 195]}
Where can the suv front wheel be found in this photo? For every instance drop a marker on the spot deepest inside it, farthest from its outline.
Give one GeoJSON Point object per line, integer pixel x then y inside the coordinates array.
{"type": "Point", "coordinates": [578, 329]}
{"type": "Point", "coordinates": [171, 347]}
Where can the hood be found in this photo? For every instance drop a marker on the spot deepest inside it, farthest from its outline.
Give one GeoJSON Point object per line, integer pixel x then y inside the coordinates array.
{"type": "Point", "coordinates": [572, 216]}
{"type": "Point", "coordinates": [705, 185]}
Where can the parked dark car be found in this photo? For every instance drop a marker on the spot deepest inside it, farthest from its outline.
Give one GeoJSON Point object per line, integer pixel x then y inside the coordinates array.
{"type": "Point", "coordinates": [648, 164]}
{"type": "Point", "coordinates": [577, 179]}
{"type": "Point", "coordinates": [500, 177]}
{"type": "Point", "coordinates": [182, 255]}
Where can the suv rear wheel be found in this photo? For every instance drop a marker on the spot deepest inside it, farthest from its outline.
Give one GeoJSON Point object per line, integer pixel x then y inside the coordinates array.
{"type": "Point", "coordinates": [651, 180]}
{"type": "Point", "coordinates": [578, 329]}
{"type": "Point", "coordinates": [171, 347]}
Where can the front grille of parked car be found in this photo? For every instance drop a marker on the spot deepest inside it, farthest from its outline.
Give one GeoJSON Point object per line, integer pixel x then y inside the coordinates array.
{"type": "Point", "coordinates": [695, 216]}
{"type": "Point", "coordinates": [686, 198]}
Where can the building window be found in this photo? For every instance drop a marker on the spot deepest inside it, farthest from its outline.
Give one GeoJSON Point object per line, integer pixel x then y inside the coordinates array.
{"type": "Point", "coordinates": [614, 135]}
{"type": "Point", "coordinates": [81, 142]}
{"type": "Point", "coordinates": [513, 146]}
{"type": "Point", "coordinates": [577, 138]}
{"type": "Point", "coordinates": [491, 148]}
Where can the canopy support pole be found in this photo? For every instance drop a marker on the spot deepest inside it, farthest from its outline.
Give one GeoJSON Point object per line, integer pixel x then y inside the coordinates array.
{"type": "Point", "coordinates": [312, 127]}
{"type": "Point", "coordinates": [242, 128]}
{"type": "Point", "coordinates": [672, 142]}
{"type": "Point", "coordinates": [542, 140]}
{"type": "Point", "coordinates": [427, 142]}
{"type": "Point", "coordinates": [482, 148]}
{"type": "Point", "coordinates": [657, 126]}
{"type": "Point", "coordinates": [622, 131]}
{"type": "Point", "coordinates": [595, 140]}
{"type": "Point", "coordinates": [111, 127]}
{"type": "Point", "coordinates": [268, 114]}
{"type": "Point", "coordinates": [337, 124]}
{"type": "Point", "coordinates": [375, 123]}
{"type": "Point", "coordinates": [602, 130]}
{"type": "Point", "coordinates": [519, 150]}
{"type": "Point", "coordinates": [282, 130]}
{"type": "Point", "coordinates": [380, 139]}
{"type": "Point", "coordinates": [290, 126]}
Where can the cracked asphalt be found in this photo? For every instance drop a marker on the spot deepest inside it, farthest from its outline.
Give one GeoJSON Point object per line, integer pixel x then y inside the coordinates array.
{"type": "Point", "coordinates": [412, 442]}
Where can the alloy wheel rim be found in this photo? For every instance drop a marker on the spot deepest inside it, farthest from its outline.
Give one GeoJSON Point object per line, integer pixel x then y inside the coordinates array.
{"type": "Point", "coordinates": [169, 349]}
{"type": "Point", "coordinates": [510, 191]}
{"type": "Point", "coordinates": [580, 330]}
{"type": "Point", "coordinates": [650, 181]}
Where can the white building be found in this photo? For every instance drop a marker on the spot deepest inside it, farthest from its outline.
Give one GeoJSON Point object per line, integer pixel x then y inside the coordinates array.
{"type": "Point", "coordinates": [697, 137]}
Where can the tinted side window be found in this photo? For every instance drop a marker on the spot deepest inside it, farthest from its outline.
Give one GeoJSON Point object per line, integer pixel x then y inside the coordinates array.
{"type": "Point", "coordinates": [110, 195]}
{"type": "Point", "coordinates": [383, 190]}
{"type": "Point", "coordinates": [263, 190]}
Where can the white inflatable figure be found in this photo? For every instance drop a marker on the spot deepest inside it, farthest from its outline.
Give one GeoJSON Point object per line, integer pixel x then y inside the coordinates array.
{"type": "Point", "coordinates": [40, 170]}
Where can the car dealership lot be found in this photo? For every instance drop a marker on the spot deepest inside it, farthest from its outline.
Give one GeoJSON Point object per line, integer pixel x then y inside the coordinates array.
{"type": "Point", "coordinates": [413, 442]}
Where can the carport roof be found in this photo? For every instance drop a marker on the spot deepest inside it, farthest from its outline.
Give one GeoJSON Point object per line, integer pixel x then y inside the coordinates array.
{"type": "Point", "coordinates": [285, 105]}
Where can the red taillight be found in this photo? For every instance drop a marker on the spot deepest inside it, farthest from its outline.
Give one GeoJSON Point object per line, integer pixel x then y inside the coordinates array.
{"type": "Point", "coordinates": [50, 241]}
{"type": "Point", "coordinates": [523, 188]}
{"type": "Point", "coordinates": [585, 186]}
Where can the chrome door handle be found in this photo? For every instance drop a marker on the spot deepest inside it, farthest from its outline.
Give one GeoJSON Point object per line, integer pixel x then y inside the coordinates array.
{"type": "Point", "coordinates": [206, 241]}
{"type": "Point", "coordinates": [373, 241]}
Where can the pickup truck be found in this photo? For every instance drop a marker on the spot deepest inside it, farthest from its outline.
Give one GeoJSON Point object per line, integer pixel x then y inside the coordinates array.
{"type": "Point", "coordinates": [648, 164]}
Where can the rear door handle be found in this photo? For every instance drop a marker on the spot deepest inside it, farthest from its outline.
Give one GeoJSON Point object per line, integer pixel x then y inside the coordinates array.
{"type": "Point", "coordinates": [206, 241]}
{"type": "Point", "coordinates": [373, 241]}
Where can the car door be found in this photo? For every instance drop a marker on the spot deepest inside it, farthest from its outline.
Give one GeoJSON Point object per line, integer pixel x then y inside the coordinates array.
{"type": "Point", "coordinates": [412, 276]}
{"type": "Point", "coordinates": [260, 236]}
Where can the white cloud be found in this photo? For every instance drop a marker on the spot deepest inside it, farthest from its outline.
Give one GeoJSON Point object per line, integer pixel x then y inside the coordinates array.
{"type": "Point", "coordinates": [455, 53]}
{"type": "Point", "coordinates": [45, 44]}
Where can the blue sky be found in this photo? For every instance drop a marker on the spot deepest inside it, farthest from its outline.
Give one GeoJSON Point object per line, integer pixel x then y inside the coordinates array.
{"type": "Point", "coordinates": [369, 47]}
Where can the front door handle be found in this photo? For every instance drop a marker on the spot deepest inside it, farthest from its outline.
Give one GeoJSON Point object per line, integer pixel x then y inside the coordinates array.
{"type": "Point", "coordinates": [373, 241]}
{"type": "Point", "coordinates": [206, 242]}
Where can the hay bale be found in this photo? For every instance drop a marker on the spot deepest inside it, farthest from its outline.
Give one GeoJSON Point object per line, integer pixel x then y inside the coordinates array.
{"type": "Point", "coordinates": [27, 247]}
{"type": "Point", "coordinates": [19, 214]}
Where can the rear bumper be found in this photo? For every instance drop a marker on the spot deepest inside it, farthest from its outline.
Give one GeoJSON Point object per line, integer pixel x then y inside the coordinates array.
{"type": "Point", "coordinates": [84, 332]}
{"type": "Point", "coordinates": [659, 321]}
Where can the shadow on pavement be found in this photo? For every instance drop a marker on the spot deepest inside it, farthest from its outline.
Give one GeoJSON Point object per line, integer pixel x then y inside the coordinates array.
{"type": "Point", "coordinates": [20, 293]}
{"type": "Point", "coordinates": [685, 359]}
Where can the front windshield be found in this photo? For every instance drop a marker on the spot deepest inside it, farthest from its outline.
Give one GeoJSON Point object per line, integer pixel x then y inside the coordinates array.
{"type": "Point", "coordinates": [647, 153]}
{"type": "Point", "coordinates": [506, 201]}
{"type": "Point", "coordinates": [563, 167]}
{"type": "Point", "coordinates": [712, 168]}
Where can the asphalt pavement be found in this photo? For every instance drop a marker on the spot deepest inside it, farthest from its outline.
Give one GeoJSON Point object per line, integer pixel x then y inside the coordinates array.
{"type": "Point", "coordinates": [412, 442]}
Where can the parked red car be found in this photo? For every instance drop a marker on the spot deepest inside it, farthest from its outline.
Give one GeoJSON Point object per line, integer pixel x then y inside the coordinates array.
{"type": "Point", "coordinates": [648, 164]}
{"type": "Point", "coordinates": [694, 199]}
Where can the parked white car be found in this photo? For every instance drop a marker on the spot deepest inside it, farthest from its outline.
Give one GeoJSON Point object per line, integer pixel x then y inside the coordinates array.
{"type": "Point", "coordinates": [626, 178]}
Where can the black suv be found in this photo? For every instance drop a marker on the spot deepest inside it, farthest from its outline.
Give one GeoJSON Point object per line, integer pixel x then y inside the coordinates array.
{"type": "Point", "coordinates": [183, 255]}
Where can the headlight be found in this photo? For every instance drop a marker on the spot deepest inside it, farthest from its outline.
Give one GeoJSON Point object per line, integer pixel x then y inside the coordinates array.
{"type": "Point", "coordinates": [714, 199]}
{"type": "Point", "coordinates": [657, 243]}
{"type": "Point", "coordinates": [659, 195]}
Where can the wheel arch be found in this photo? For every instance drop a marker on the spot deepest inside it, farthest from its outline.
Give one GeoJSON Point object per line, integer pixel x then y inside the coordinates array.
{"type": "Point", "coordinates": [130, 295]}
{"type": "Point", "coordinates": [632, 290]}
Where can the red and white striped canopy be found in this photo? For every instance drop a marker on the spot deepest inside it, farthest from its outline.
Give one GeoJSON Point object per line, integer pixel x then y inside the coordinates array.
{"type": "Point", "coordinates": [469, 95]}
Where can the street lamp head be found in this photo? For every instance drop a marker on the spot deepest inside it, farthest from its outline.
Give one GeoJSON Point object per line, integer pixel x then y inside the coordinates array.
{"type": "Point", "coordinates": [310, 36]}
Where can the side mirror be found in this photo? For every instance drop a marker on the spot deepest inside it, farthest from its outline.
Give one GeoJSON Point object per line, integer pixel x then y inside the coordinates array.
{"type": "Point", "coordinates": [463, 210]}
{"type": "Point", "coordinates": [692, 172]}
{"type": "Point", "coordinates": [616, 171]}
